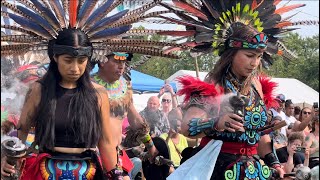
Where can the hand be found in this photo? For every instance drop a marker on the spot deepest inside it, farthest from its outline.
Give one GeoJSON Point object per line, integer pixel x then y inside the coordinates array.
{"type": "Point", "coordinates": [230, 122]}
{"type": "Point", "coordinates": [6, 169]}
{"type": "Point", "coordinates": [169, 88]}
{"type": "Point", "coordinates": [161, 92]}
{"type": "Point", "coordinates": [307, 153]}
{"type": "Point", "coordinates": [280, 171]}
{"type": "Point", "coordinates": [291, 151]}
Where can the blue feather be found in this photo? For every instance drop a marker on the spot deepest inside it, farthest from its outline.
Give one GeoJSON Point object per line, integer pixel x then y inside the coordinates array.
{"type": "Point", "coordinates": [30, 25]}
{"type": "Point", "coordinates": [46, 11]}
{"type": "Point", "coordinates": [56, 5]}
{"type": "Point", "coordinates": [36, 17]}
{"type": "Point", "coordinates": [111, 32]}
{"type": "Point", "coordinates": [108, 20]}
{"type": "Point", "coordinates": [85, 8]}
{"type": "Point", "coordinates": [98, 12]}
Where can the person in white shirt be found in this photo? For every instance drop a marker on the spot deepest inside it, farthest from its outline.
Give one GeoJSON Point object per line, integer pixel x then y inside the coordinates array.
{"type": "Point", "coordinates": [280, 98]}
{"type": "Point", "coordinates": [289, 116]}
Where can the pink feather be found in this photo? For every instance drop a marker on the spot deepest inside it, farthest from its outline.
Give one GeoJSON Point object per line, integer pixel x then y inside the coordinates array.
{"type": "Point", "coordinates": [268, 90]}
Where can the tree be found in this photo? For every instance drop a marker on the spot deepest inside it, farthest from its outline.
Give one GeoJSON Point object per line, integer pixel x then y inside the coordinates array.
{"type": "Point", "coordinates": [306, 67]}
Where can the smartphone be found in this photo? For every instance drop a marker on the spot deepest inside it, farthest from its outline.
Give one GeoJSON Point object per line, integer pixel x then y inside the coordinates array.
{"type": "Point", "coordinates": [301, 149]}
{"type": "Point", "coordinates": [315, 105]}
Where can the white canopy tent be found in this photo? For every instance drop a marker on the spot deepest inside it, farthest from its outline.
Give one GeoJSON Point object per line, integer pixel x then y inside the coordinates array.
{"type": "Point", "coordinates": [293, 89]}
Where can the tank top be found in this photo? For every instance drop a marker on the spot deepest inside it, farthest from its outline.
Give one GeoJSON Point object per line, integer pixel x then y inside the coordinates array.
{"type": "Point", "coordinates": [315, 144]}
{"type": "Point", "coordinates": [64, 136]}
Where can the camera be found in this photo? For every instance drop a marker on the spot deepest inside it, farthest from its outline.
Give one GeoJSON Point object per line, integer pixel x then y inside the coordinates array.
{"type": "Point", "coordinates": [315, 105]}
{"type": "Point", "coordinates": [301, 149]}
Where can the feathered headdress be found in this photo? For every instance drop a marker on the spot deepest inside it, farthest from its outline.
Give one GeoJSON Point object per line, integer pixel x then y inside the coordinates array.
{"type": "Point", "coordinates": [39, 21]}
{"type": "Point", "coordinates": [211, 24]}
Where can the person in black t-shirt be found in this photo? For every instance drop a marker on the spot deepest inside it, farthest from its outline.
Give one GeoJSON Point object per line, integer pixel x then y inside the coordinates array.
{"type": "Point", "coordinates": [288, 156]}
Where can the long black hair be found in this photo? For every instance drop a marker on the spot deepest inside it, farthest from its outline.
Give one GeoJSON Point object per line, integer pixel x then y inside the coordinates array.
{"type": "Point", "coordinates": [83, 110]}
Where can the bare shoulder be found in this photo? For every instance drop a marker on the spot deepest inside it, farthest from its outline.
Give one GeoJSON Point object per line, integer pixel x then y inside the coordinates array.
{"type": "Point", "coordinates": [101, 91]}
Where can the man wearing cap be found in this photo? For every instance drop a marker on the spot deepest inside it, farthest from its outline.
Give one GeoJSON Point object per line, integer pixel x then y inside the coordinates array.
{"type": "Point", "coordinates": [280, 98]}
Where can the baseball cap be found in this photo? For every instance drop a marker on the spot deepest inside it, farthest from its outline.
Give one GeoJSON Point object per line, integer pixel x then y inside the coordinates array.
{"type": "Point", "coordinates": [281, 98]}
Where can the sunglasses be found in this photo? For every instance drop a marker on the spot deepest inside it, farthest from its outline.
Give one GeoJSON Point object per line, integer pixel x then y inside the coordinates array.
{"type": "Point", "coordinates": [304, 112]}
{"type": "Point", "coordinates": [166, 100]}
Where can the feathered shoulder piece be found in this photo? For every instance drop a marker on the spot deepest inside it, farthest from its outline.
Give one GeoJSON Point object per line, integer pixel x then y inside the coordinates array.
{"type": "Point", "coordinates": [268, 90]}
{"type": "Point", "coordinates": [31, 24]}
{"type": "Point", "coordinates": [195, 89]}
{"type": "Point", "coordinates": [213, 23]}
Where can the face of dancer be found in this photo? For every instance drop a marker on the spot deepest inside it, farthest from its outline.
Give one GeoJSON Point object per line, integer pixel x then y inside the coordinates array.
{"type": "Point", "coordinates": [245, 62]}
{"type": "Point", "coordinates": [114, 68]}
{"type": "Point", "coordinates": [71, 68]}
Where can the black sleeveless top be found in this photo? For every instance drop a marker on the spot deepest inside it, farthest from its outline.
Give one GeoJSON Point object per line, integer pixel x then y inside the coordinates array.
{"type": "Point", "coordinates": [64, 136]}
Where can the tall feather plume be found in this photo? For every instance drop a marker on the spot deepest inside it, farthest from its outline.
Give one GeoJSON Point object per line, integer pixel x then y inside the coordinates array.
{"type": "Point", "coordinates": [109, 32]}
{"type": "Point", "coordinates": [97, 15]}
{"type": "Point", "coordinates": [103, 23]}
{"type": "Point", "coordinates": [19, 29]}
{"type": "Point", "coordinates": [59, 11]}
{"type": "Point", "coordinates": [21, 39]}
{"type": "Point", "coordinates": [73, 12]}
{"type": "Point", "coordinates": [30, 26]}
{"type": "Point", "coordinates": [189, 8]}
{"type": "Point", "coordinates": [13, 8]}
{"type": "Point", "coordinates": [141, 43]}
{"type": "Point", "coordinates": [37, 18]}
{"type": "Point", "coordinates": [47, 14]}
{"type": "Point", "coordinates": [85, 10]}
{"type": "Point", "coordinates": [142, 9]}
{"type": "Point", "coordinates": [30, 5]}
{"type": "Point", "coordinates": [288, 8]}
{"type": "Point", "coordinates": [143, 50]}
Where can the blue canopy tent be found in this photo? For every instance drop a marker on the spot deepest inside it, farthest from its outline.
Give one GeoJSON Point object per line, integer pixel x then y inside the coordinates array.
{"type": "Point", "coordinates": [144, 83]}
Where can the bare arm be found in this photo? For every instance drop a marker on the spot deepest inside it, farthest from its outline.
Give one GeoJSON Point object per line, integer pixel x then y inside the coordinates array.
{"type": "Point", "coordinates": [265, 146]}
{"type": "Point", "coordinates": [288, 166]}
{"type": "Point", "coordinates": [192, 112]}
{"type": "Point", "coordinates": [106, 145]}
{"type": "Point", "coordinates": [308, 142]}
{"type": "Point", "coordinates": [30, 105]}
{"type": "Point", "coordinates": [300, 126]}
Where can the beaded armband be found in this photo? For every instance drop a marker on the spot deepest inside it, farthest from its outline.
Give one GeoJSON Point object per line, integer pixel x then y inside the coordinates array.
{"type": "Point", "coordinates": [199, 125]}
{"type": "Point", "coordinates": [271, 159]}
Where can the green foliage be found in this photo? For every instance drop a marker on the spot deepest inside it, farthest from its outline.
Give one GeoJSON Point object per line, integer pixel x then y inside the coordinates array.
{"type": "Point", "coordinates": [306, 67]}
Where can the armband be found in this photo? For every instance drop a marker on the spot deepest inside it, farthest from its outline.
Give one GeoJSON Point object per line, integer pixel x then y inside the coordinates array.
{"type": "Point", "coordinates": [147, 141]}
{"type": "Point", "coordinates": [271, 159]}
{"type": "Point", "coordinates": [115, 174]}
{"type": "Point", "coordinates": [199, 125]}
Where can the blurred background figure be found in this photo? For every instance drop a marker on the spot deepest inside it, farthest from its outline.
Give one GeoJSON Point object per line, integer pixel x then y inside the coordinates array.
{"type": "Point", "coordinates": [289, 116]}
{"type": "Point", "coordinates": [176, 141]}
{"type": "Point", "coordinates": [155, 118]}
{"type": "Point", "coordinates": [169, 99]}
{"type": "Point", "coordinates": [279, 139]}
{"type": "Point", "coordinates": [312, 142]}
{"type": "Point", "coordinates": [303, 123]}
{"type": "Point", "coordinates": [297, 111]}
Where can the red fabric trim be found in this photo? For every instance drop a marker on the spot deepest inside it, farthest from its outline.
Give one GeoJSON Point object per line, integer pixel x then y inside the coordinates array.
{"type": "Point", "coordinates": [236, 148]}
{"type": "Point", "coordinates": [32, 167]}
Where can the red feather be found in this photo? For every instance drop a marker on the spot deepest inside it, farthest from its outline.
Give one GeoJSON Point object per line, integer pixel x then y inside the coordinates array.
{"type": "Point", "coordinates": [268, 88]}
{"type": "Point", "coordinates": [73, 8]}
{"type": "Point", "coordinates": [276, 2]}
{"type": "Point", "coordinates": [287, 8]}
{"type": "Point", "coordinates": [189, 8]}
{"type": "Point", "coordinates": [194, 86]}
